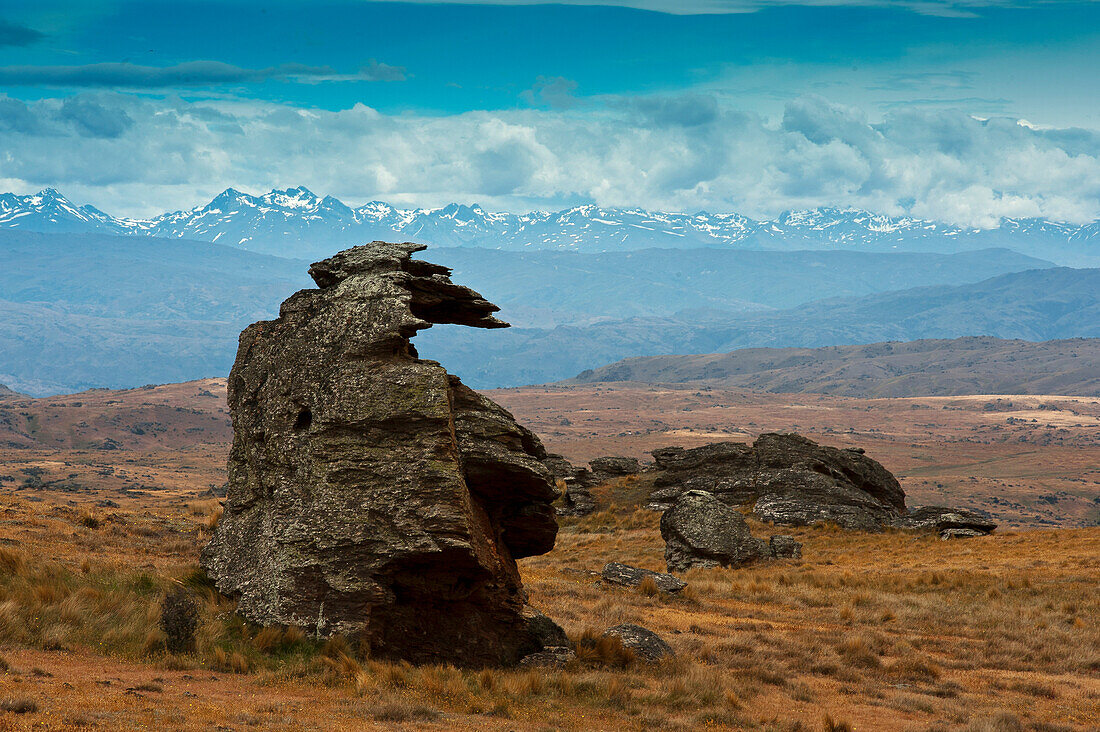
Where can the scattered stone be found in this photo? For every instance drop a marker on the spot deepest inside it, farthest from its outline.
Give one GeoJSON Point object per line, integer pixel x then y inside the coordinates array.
{"type": "Point", "coordinates": [785, 547]}
{"type": "Point", "coordinates": [622, 574]}
{"type": "Point", "coordinates": [701, 531]}
{"type": "Point", "coordinates": [551, 657]}
{"type": "Point", "coordinates": [106, 503]}
{"type": "Point", "coordinates": [646, 644]}
{"type": "Point", "coordinates": [370, 492]}
{"type": "Point", "coordinates": [942, 519]}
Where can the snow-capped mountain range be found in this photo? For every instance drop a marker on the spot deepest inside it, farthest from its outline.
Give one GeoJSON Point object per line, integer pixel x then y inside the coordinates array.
{"type": "Point", "coordinates": [297, 223]}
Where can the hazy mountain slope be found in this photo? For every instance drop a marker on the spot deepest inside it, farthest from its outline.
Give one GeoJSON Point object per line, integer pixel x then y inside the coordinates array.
{"type": "Point", "coordinates": [138, 277]}
{"type": "Point", "coordinates": [917, 368]}
{"type": "Point", "coordinates": [1034, 305]}
{"type": "Point", "coordinates": [78, 311]}
{"type": "Point", "coordinates": [297, 223]}
{"type": "Point", "coordinates": [540, 289]}
{"type": "Point", "coordinates": [50, 350]}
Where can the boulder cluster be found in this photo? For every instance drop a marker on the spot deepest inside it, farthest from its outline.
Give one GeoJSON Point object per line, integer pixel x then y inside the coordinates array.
{"type": "Point", "coordinates": [702, 531]}
{"type": "Point", "coordinates": [370, 492]}
{"type": "Point", "coordinates": [789, 480]}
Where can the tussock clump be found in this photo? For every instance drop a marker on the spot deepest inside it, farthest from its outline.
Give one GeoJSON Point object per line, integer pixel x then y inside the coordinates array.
{"type": "Point", "coordinates": [19, 706]}
{"type": "Point", "coordinates": [595, 649]}
{"type": "Point", "coordinates": [858, 651]}
{"type": "Point", "coordinates": [1000, 722]}
{"type": "Point", "coordinates": [179, 618]}
{"type": "Point", "coordinates": [403, 711]}
{"type": "Point", "coordinates": [914, 668]}
{"type": "Point", "coordinates": [828, 724]}
{"type": "Point", "coordinates": [230, 661]}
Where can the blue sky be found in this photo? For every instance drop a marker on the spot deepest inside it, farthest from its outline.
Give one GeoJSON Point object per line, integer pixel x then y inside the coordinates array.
{"type": "Point", "coordinates": [965, 111]}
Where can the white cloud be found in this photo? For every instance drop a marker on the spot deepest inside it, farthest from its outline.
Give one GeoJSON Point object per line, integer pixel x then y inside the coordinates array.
{"type": "Point", "coordinates": [139, 156]}
{"type": "Point", "coordinates": [947, 8]}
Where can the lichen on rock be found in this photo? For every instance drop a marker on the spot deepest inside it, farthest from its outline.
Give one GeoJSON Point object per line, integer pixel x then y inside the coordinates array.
{"type": "Point", "coordinates": [371, 492]}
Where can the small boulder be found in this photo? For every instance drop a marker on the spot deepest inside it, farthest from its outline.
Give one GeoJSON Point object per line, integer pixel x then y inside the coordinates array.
{"type": "Point", "coordinates": [617, 573]}
{"type": "Point", "coordinates": [543, 631]}
{"type": "Point", "coordinates": [785, 547]}
{"type": "Point", "coordinates": [646, 644]}
{"type": "Point", "coordinates": [943, 519]}
{"type": "Point", "coordinates": [961, 534]}
{"type": "Point", "coordinates": [701, 531]}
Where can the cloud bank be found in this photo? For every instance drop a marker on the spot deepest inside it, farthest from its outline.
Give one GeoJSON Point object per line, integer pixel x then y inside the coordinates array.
{"type": "Point", "coordinates": [192, 73]}
{"type": "Point", "coordinates": [683, 153]}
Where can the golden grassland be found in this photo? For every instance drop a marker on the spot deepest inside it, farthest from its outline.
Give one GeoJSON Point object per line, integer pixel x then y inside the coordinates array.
{"type": "Point", "coordinates": [868, 631]}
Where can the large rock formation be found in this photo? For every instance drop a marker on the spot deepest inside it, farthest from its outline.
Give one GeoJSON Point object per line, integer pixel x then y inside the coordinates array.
{"type": "Point", "coordinates": [371, 492]}
{"type": "Point", "coordinates": [787, 478]}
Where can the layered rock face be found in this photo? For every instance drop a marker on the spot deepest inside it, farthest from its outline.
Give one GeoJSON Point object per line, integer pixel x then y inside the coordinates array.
{"type": "Point", "coordinates": [789, 480]}
{"type": "Point", "coordinates": [371, 492]}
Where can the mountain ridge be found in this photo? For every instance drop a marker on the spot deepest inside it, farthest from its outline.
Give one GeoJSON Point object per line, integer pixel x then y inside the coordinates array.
{"type": "Point", "coordinates": [296, 222]}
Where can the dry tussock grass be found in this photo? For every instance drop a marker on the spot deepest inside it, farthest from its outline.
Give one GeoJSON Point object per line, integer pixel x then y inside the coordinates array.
{"type": "Point", "coordinates": [878, 631]}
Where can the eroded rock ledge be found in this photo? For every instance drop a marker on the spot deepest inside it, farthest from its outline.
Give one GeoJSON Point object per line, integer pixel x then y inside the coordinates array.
{"type": "Point", "coordinates": [371, 492]}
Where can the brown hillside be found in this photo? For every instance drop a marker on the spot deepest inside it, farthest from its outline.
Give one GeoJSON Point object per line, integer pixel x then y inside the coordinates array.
{"type": "Point", "coordinates": [916, 368]}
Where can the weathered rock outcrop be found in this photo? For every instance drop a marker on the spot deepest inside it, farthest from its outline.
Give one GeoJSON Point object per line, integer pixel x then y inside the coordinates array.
{"type": "Point", "coordinates": [787, 478]}
{"type": "Point", "coordinates": [701, 531]}
{"type": "Point", "coordinates": [371, 492]}
{"type": "Point", "coordinates": [950, 523]}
